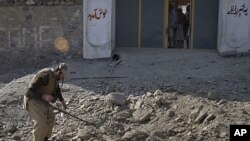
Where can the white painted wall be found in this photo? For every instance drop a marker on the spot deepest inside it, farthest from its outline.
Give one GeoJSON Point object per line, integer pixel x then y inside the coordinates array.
{"type": "Point", "coordinates": [97, 28]}
{"type": "Point", "coordinates": [233, 26]}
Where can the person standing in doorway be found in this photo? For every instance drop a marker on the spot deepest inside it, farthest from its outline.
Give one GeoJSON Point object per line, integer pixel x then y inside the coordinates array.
{"type": "Point", "coordinates": [187, 25]}
{"type": "Point", "coordinates": [172, 25]}
{"type": "Point", "coordinates": [44, 89]}
{"type": "Point", "coordinates": [179, 38]}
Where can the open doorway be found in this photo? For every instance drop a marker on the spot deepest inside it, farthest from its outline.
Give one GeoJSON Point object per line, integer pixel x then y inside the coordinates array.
{"type": "Point", "coordinates": [178, 23]}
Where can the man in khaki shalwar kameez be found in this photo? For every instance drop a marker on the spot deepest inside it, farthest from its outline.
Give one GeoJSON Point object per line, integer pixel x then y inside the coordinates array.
{"type": "Point", "coordinates": [43, 89]}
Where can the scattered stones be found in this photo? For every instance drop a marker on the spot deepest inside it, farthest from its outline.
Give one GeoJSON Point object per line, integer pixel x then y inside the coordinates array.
{"type": "Point", "coordinates": [152, 117]}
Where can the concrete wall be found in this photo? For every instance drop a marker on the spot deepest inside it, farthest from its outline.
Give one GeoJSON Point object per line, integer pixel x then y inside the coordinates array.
{"type": "Point", "coordinates": [97, 27]}
{"type": "Point", "coordinates": [234, 27]}
{"type": "Point", "coordinates": [39, 25]}
{"type": "Point", "coordinates": [39, 2]}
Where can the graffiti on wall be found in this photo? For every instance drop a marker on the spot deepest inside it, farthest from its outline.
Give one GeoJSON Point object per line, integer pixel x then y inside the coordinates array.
{"type": "Point", "coordinates": [39, 2]}
{"type": "Point", "coordinates": [238, 11]}
{"type": "Point", "coordinates": [97, 14]}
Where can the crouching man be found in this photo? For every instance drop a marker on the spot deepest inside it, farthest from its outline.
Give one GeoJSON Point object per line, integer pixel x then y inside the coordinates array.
{"type": "Point", "coordinates": [43, 89]}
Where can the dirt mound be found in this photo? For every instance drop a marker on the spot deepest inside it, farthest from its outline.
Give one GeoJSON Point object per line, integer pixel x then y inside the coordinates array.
{"type": "Point", "coordinates": [155, 115]}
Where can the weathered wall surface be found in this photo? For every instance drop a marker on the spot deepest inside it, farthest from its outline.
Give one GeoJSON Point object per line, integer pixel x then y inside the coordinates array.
{"type": "Point", "coordinates": [38, 26]}
{"type": "Point", "coordinates": [29, 33]}
{"type": "Point", "coordinates": [39, 2]}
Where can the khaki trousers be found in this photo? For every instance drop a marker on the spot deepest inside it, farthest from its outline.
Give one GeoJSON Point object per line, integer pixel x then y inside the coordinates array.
{"type": "Point", "coordinates": [43, 118]}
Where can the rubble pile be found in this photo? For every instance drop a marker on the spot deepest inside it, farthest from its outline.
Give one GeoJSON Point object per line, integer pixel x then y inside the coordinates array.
{"type": "Point", "coordinates": [153, 116]}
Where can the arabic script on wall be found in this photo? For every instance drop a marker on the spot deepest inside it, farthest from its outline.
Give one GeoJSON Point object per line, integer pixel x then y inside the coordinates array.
{"type": "Point", "coordinates": [238, 11]}
{"type": "Point", "coordinates": [97, 14]}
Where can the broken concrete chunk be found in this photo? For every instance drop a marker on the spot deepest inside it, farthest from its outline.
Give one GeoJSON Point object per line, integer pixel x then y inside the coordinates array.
{"type": "Point", "coordinates": [157, 93]}
{"type": "Point", "coordinates": [209, 118]}
{"type": "Point", "coordinates": [116, 98]}
{"type": "Point", "coordinates": [142, 115]}
{"type": "Point", "coordinates": [135, 135]}
{"type": "Point", "coordinates": [194, 113]}
{"type": "Point", "coordinates": [85, 133]}
{"type": "Point", "coordinates": [200, 118]}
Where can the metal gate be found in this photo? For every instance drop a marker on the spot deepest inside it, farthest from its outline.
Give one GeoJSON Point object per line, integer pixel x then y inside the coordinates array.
{"type": "Point", "coordinates": [139, 23]}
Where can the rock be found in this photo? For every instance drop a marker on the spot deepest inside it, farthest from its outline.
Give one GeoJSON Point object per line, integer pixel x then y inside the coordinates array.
{"type": "Point", "coordinates": [222, 102]}
{"type": "Point", "coordinates": [82, 102]}
{"type": "Point", "coordinates": [158, 101]}
{"type": "Point", "coordinates": [159, 135]}
{"type": "Point", "coordinates": [170, 113]}
{"type": "Point", "coordinates": [194, 113]}
{"type": "Point", "coordinates": [244, 111]}
{"type": "Point", "coordinates": [209, 118]}
{"type": "Point", "coordinates": [117, 108]}
{"type": "Point", "coordinates": [89, 109]}
{"type": "Point", "coordinates": [113, 138]}
{"type": "Point", "coordinates": [106, 138]}
{"type": "Point", "coordinates": [175, 107]}
{"type": "Point", "coordinates": [153, 138]}
{"type": "Point", "coordinates": [85, 133]}
{"type": "Point", "coordinates": [124, 114]}
{"type": "Point", "coordinates": [200, 118]}
{"type": "Point", "coordinates": [142, 115]}
{"type": "Point", "coordinates": [221, 111]}
{"type": "Point", "coordinates": [158, 93]}
{"type": "Point", "coordinates": [212, 95]}
{"type": "Point", "coordinates": [223, 134]}
{"type": "Point", "coordinates": [116, 98]}
{"type": "Point", "coordinates": [178, 119]}
{"type": "Point", "coordinates": [16, 137]}
{"type": "Point", "coordinates": [139, 104]}
{"type": "Point", "coordinates": [191, 138]}
{"type": "Point", "coordinates": [149, 95]}
{"type": "Point", "coordinates": [135, 135]}
{"type": "Point", "coordinates": [75, 138]}
{"type": "Point", "coordinates": [10, 128]}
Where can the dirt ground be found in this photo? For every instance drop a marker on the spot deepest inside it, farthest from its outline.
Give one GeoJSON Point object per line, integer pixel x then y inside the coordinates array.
{"type": "Point", "coordinates": [169, 95]}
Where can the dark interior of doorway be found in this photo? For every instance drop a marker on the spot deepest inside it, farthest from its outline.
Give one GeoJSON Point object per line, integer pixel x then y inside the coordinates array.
{"type": "Point", "coordinates": [179, 24]}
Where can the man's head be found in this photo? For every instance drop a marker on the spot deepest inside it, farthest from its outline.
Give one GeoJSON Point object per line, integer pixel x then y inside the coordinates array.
{"type": "Point", "coordinates": [61, 71]}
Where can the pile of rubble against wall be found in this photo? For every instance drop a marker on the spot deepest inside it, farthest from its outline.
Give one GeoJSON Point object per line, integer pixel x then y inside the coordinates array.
{"type": "Point", "coordinates": [39, 2]}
